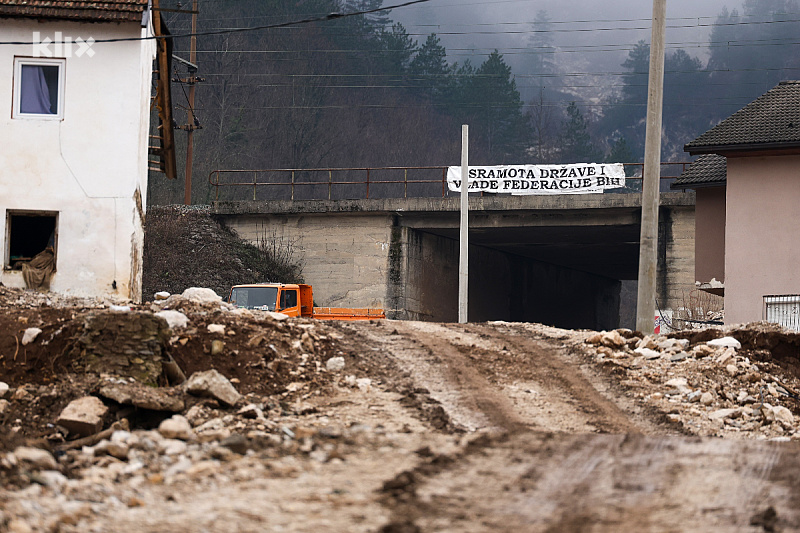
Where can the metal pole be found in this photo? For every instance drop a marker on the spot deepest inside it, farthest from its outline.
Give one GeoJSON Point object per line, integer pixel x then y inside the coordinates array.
{"type": "Point", "coordinates": [463, 257]}
{"type": "Point", "coordinates": [187, 193]}
{"type": "Point", "coordinates": [648, 242]}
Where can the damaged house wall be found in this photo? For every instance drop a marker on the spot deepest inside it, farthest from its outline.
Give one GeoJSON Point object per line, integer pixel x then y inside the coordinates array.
{"type": "Point", "coordinates": [88, 167]}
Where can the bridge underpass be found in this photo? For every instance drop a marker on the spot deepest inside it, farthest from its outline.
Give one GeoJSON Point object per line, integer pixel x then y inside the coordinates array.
{"type": "Point", "coordinates": [566, 261]}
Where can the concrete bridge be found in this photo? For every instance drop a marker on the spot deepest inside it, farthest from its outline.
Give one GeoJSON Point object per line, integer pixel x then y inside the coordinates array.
{"type": "Point", "coordinates": [569, 261]}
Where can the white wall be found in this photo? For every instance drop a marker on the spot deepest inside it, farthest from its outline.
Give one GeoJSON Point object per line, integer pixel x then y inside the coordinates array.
{"type": "Point", "coordinates": [87, 166]}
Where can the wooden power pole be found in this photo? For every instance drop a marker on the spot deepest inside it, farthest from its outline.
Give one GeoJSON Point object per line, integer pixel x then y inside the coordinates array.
{"type": "Point", "coordinates": [187, 194]}
{"type": "Point", "coordinates": [648, 242]}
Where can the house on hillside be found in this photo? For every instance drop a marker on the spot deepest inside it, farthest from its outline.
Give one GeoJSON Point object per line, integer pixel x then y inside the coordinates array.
{"type": "Point", "coordinates": [74, 137]}
{"type": "Point", "coordinates": [747, 181]}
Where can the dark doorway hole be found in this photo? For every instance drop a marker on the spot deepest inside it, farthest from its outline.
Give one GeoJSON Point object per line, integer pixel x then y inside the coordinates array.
{"type": "Point", "coordinates": [29, 233]}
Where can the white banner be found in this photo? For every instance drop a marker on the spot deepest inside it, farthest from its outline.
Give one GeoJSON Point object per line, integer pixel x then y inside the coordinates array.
{"type": "Point", "coordinates": [579, 178]}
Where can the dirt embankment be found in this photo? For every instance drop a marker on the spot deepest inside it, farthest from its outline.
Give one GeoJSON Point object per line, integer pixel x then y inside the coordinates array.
{"type": "Point", "coordinates": [391, 426]}
{"type": "Point", "coordinates": [186, 247]}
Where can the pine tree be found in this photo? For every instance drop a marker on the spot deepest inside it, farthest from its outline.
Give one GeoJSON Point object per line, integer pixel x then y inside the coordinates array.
{"type": "Point", "coordinates": [429, 70]}
{"type": "Point", "coordinates": [498, 111]}
{"type": "Point", "coordinates": [576, 143]}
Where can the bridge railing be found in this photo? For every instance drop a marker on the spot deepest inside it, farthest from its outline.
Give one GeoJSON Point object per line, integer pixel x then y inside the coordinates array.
{"type": "Point", "coordinates": [369, 182]}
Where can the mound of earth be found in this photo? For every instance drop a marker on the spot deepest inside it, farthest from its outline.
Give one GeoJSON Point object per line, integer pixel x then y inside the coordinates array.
{"type": "Point", "coordinates": [186, 247]}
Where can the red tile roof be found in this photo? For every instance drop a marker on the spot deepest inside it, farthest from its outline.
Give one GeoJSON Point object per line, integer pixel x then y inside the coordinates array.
{"type": "Point", "coordinates": [108, 11]}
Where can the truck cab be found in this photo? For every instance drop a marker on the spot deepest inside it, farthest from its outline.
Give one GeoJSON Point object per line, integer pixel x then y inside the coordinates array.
{"type": "Point", "coordinates": [288, 298]}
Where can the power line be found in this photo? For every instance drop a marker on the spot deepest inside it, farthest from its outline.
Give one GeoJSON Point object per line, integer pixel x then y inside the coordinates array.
{"type": "Point", "coordinates": [330, 16]}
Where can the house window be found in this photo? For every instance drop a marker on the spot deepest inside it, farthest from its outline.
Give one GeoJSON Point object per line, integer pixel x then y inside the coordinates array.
{"type": "Point", "coordinates": [29, 233]}
{"type": "Point", "coordinates": [38, 88]}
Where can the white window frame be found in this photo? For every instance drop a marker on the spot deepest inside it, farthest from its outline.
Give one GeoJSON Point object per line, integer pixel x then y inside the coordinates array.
{"type": "Point", "coordinates": [38, 62]}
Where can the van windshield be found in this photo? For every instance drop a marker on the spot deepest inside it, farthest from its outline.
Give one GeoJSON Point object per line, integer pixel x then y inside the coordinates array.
{"type": "Point", "coordinates": [263, 298]}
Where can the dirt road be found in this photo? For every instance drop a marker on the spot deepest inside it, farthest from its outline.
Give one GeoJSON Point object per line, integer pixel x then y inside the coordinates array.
{"type": "Point", "coordinates": [492, 427]}
{"type": "Point", "coordinates": [568, 452]}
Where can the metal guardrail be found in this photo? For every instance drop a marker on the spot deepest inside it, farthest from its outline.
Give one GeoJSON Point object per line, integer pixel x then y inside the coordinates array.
{"type": "Point", "coordinates": [344, 183]}
{"type": "Point", "coordinates": [783, 309]}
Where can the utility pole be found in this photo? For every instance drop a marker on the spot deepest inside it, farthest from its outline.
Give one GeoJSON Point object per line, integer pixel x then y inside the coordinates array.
{"type": "Point", "coordinates": [187, 193]}
{"type": "Point", "coordinates": [191, 123]}
{"type": "Point", "coordinates": [463, 257]}
{"type": "Point", "coordinates": [648, 241]}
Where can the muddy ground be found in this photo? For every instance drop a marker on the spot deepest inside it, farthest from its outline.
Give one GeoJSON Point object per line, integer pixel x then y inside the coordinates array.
{"type": "Point", "coordinates": [426, 428]}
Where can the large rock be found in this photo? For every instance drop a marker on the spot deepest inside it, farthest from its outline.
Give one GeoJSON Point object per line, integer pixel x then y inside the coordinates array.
{"type": "Point", "coordinates": [719, 414]}
{"type": "Point", "coordinates": [174, 318]}
{"type": "Point", "coordinates": [212, 383]}
{"type": "Point", "coordinates": [725, 342]}
{"type": "Point", "coordinates": [30, 335]}
{"type": "Point", "coordinates": [647, 353]}
{"type": "Point", "coordinates": [612, 339]}
{"type": "Point", "coordinates": [176, 427]}
{"type": "Point", "coordinates": [4, 388]}
{"type": "Point", "coordinates": [83, 416]}
{"type": "Point", "coordinates": [201, 294]}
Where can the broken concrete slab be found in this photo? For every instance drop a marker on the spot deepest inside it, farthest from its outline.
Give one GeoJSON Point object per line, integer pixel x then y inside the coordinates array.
{"type": "Point", "coordinates": [83, 416]}
{"type": "Point", "coordinates": [143, 397]}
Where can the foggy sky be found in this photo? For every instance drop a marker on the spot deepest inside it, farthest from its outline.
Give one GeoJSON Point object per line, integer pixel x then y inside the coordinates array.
{"type": "Point", "coordinates": [606, 22]}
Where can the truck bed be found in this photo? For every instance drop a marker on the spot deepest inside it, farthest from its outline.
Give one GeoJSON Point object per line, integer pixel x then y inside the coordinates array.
{"type": "Point", "coordinates": [346, 313]}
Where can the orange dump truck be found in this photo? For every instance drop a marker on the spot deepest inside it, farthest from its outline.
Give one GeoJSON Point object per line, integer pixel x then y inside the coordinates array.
{"type": "Point", "coordinates": [293, 300]}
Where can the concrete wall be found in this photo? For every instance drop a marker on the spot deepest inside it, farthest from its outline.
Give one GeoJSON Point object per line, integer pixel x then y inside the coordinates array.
{"type": "Point", "coordinates": [90, 167]}
{"type": "Point", "coordinates": [710, 234]}
{"type": "Point", "coordinates": [675, 275]}
{"type": "Point", "coordinates": [762, 252]}
{"type": "Point", "coordinates": [346, 257]}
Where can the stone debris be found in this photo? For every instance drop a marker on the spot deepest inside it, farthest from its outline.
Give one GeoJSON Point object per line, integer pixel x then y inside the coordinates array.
{"type": "Point", "coordinates": [725, 342]}
{"type": "Point", "coordinates": [161, 295]}
{"type": "Point", "coordinates": [174, 318]}
{"type": "Point", "coordinates": [143, 397]}
{"type": "Point", "coordinates": [177, 427]}
{"type": "Point", "coordinates": [83, 416]}
{"type": "Point", "coordinates": [335, 364]}
{"type": "Point", "coordinates": [4, 388]}
{"type": "Point", "coordinates": [710, 386]}
{"type": "Point", "coordinates": [216, 328]}
{"type": "Point", "coordinates": [35, 458]}
{"type": "Point", "coordinates": [30, 335]}
{"type": "Point", "coordinates": [201, 294]}
{"type": "Point", "coordinates": [212, 383]}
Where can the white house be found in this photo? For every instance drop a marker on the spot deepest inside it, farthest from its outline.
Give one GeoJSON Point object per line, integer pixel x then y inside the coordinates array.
{"type": "Point", "coordinates": [74, 125]}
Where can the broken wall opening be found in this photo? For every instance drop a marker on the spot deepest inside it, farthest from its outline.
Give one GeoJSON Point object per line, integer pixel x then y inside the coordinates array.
{"type": "Point", "coordinates": [29, 233]}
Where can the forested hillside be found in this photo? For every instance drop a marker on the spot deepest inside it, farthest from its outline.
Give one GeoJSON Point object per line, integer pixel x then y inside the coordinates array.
{"type": "Point", "coordinates": [360, 91]}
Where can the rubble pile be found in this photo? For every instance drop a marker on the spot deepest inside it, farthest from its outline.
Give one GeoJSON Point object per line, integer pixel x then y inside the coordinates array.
{"type": "Point", "coordinates": [188, 353]}
{"type": "Point", "coordinates": [738, 382]}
